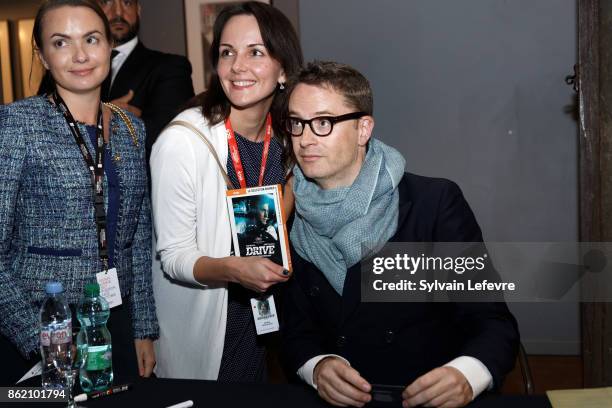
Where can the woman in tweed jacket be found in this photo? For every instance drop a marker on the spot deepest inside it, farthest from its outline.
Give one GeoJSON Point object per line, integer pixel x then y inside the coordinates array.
{"type": "Point", "coordinates": [47, 225]}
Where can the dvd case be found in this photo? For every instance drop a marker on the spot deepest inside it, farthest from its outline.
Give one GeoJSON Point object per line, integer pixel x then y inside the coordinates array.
{"type": "Point", "coordinates": [256, 219]}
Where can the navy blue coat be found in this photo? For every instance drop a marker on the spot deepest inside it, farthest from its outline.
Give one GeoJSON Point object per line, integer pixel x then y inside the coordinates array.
{"type": "Point", "coordinates": [395, 343]}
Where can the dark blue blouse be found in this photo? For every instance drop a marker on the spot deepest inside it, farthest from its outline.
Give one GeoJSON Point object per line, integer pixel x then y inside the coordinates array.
{"type": "Point", "coordinates": [244, 358]}
{"type": "Point", "coordinates": [250, 155]}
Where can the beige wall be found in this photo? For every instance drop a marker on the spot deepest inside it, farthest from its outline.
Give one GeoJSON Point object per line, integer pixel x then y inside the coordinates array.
{"type": "Point", "coordinates": [13, 11]}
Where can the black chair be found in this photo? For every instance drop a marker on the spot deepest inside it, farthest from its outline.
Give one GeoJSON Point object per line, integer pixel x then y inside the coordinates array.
{"type": "Point", "coordinates": [525, 370]}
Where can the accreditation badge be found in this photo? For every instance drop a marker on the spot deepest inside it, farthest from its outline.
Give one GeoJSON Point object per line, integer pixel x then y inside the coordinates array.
{"type": "Point", "coordinates": [264, 313]}
{"type": "Point", "coordinates": [109, 287]}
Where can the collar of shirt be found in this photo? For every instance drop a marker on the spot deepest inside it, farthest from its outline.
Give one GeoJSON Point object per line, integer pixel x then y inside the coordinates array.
{"type": "Point", "coordinates": [124, 52]}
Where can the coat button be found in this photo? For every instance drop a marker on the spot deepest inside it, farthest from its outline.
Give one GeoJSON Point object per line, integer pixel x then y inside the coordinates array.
{"type": "Point", "coordinates": [314, 291]}
{"type": "Point", "coordinates": [341, 341]}
{"type": "Point", "coordinates": [389, 336]}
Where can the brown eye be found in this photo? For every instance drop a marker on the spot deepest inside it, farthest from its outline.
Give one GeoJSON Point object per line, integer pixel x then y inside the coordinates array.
{"type": "Point", "coordinates": [294, 126]}
{"type": "Point", "coordinates": [322, 123]}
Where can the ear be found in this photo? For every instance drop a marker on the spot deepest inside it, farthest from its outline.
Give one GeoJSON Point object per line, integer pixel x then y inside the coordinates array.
{"type": "Point", "coordinates": [139, 9]}
{"type": "Point", "coordinates": [41, 58]}
{"type": "Point", "coordinates": [365, 126]}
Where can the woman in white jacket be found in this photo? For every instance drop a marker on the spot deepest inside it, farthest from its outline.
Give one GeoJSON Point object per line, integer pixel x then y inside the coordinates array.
{"type": "Point", "coordinates": [202, 295]}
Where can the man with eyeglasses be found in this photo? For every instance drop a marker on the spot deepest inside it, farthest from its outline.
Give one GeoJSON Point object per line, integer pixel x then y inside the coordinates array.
{"type": "Point", "coordinates": [351, 192]}
{"type": "Point", "coordinates": [150, 84]}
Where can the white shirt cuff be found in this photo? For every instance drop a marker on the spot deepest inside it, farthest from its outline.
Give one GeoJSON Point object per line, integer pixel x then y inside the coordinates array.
{"type": "Point", "coordinates": [306, 372]}
{"type": "Point", "coordinates": [476, 373]}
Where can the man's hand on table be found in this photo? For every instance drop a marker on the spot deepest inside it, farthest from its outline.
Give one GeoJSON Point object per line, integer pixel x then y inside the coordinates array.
{"type": "Point", "coordinates": [444, 387]}
{"type": "Point", "coordinates": [340, 384]}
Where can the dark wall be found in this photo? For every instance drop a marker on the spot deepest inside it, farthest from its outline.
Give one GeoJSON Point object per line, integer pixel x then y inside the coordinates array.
{"type": "Point", "coordinates": [163, 25]}
{"type": "Point", "coordinates": [474, 91]}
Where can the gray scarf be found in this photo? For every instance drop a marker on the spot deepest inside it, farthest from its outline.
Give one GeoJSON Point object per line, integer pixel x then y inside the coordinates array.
{"type": "Point", "coordinates": [332, 226]}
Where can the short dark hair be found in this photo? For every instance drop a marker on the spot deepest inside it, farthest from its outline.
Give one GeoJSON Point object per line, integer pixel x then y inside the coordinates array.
{"type": "Point", "coordinates": [47, 84]}
{"type": "Point", "coordinates": [280, 40]}
{"type": "Point", "coordinates": [342, 78]}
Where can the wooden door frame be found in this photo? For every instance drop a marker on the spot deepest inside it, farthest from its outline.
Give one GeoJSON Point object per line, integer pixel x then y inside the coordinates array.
{"type": "Point", "coordinates": [595, 168]}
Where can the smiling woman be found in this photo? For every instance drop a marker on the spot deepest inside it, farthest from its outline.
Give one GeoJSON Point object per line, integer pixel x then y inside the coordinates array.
{"type": "Point", "coordinates": [59, 150]}
{"type": "Point", "coordinates": [254, 49]}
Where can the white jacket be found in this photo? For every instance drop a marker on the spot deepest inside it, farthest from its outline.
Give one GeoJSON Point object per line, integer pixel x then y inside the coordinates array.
{"type": "Point", "coordinates": [191, 220]}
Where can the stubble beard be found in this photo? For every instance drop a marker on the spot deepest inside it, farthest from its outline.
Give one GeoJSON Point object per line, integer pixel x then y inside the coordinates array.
{"type": "Point", "coordinates": [133, 32]}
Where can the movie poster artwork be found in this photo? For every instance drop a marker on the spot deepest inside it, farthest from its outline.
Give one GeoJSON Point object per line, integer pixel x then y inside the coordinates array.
{"type": "Point", "coordinates": [257, 223]}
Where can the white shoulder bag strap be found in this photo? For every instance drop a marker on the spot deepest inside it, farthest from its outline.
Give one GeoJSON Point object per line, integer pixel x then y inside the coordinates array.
{"type": "Point", "coordinates": [208, 143]}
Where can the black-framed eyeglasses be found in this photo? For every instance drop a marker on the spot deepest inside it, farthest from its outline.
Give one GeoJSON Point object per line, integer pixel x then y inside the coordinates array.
{"type": "Point", "coordinates": [320, 126]}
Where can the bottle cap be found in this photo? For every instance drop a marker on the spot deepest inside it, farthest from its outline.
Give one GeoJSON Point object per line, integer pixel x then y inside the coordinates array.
{"type": "Point", "coordinates": [92, 289]}
{"type": "Point", "coordinates": [80, 398]}
{"type": "Point", "coordinates": [53, 288]}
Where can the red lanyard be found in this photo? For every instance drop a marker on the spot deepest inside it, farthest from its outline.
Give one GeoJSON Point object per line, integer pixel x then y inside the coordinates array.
{"type": "Point", "coordinates": [235, 154]}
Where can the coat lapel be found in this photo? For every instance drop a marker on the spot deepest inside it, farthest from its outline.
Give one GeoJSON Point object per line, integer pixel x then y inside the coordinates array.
{"type": "Point", "coordinates": [130, 75]}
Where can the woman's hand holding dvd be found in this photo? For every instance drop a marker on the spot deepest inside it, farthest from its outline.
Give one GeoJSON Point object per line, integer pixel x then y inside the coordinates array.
{"type": "Point", "coordinates": [256, 273]}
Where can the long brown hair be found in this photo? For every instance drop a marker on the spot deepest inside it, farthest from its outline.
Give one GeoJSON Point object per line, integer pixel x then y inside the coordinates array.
{"type": "Point", "coordinates": [280, 40]}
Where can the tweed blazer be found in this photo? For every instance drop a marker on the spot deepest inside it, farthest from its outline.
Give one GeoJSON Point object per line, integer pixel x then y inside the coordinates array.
{"type": "Point", "coordinates": [47, 224]}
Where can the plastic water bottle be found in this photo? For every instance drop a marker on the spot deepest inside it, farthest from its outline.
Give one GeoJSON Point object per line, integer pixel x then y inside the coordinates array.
{"type": "Point", "coordinates": [55, 335]}
{"type": "Point", "coordinates": [93, 313]}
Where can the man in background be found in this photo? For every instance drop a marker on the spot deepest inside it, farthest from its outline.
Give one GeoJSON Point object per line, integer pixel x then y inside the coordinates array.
{"type": "Point", "coordinates": [150, 84]}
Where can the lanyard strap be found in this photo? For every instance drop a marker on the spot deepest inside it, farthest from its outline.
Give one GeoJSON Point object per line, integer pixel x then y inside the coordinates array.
{"type": "Point", "coordinates": [95, 169]}
{"type": "Point", "coordinates": [235, 154]}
